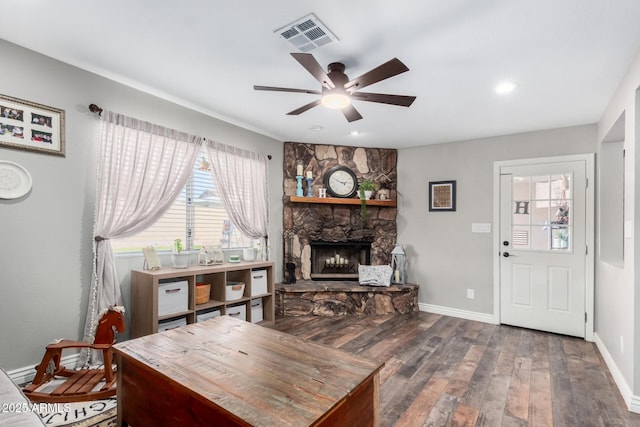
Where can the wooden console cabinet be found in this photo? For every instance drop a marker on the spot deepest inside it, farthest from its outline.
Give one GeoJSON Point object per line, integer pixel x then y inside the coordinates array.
{"type": "Point", "coordinates": [145, 284]}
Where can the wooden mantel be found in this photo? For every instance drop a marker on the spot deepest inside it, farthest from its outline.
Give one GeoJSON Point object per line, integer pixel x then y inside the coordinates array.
{"type": "Point", "coordinates": [341, 201]}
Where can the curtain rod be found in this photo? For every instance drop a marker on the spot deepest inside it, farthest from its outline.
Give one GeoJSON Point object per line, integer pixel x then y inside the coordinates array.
{"type": "Point", "coordinates": [96, 109]}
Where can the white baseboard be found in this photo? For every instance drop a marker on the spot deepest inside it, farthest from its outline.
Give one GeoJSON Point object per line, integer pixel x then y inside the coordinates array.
{"type": "Point", "coordinates": [26, 374]}
{"type": "Point", "coordinates": [454, 312]}
{"type": "Point", "coordinates": [634, 404]}
{"type": "Point", "coordinates": [632, 401]}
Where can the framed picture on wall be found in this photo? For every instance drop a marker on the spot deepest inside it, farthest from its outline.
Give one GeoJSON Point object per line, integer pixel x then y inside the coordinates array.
{"type": "Point", "coordinates": [442, 196]}
{"type": "Point", "coordinates": [26, 125]}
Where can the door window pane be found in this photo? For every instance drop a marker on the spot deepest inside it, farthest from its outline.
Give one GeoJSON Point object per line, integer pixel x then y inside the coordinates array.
{"type": "Point", "coordinates": [561, 187]}
{"type": "Point", "coordinates": [521, 185]}
{"type": "Point", "coordinates": [540, 238]}
{"type": "Point", "coordinates": [540, 215]}
{"type": "Point", "coordinates": [520, 237]}
{"type": "Point", "coordinates": [541, 212]}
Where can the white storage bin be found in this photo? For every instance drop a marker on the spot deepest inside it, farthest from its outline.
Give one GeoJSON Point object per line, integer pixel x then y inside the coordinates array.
{"type": "Point", "coordinates": [173, 297]}
{"type": "Point", "coordinates": [233, 291]}
{"type": "Point", "coordinates": [166, 325]}
{"type": "Point", "coordinates": [206, 315]}
{"type": "Point", "coordinates": [256, 310]}
{"type": "Point", "coordinates": [258, 282]}
{"type": "Point", "coordinates": [237, 311]}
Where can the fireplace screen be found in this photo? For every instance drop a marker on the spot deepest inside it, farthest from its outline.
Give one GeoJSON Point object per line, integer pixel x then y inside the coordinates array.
{"type": "Point", "coordinates": [338, 261]}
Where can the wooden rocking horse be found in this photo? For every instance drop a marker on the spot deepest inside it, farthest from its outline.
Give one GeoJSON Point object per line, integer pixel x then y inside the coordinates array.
{"type": "Point", "coordinates": [80, 384]}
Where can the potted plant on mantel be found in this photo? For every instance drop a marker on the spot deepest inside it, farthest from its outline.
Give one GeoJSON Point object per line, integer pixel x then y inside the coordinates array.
{"type": "Point", "coordinates": [179, 257]}
{"type": "Point", "coordinates": [365, 190]}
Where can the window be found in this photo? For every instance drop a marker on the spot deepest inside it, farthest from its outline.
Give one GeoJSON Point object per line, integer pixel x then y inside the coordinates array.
{"type": "Point", "coordinates": [542, 212]}
{"type": "Point", "coordinates": [197, 217]}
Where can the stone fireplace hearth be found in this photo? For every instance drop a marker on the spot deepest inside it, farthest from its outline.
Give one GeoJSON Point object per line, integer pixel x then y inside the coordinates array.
{"type": "Point", "coordinates": [308, 223]}
{"type": "Point", "coordinates": [344, 299]}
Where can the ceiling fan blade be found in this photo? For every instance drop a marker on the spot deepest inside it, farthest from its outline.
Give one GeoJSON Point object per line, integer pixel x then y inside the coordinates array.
{"type": "Point", "coordinates": [311, 65]}
{"type": "Point", "coordinates": [286, 89]}
{"type": "Point", "coordinates": [304, 108]}
{"type": "Point", "coordinates": [351, 114]}
{"type": "Point", "coordinates": [388, 69]}
{"type": "Point", "coordinates": [383, 98]}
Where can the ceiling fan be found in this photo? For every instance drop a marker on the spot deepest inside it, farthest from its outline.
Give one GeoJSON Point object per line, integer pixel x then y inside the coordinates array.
{"type": "Point", "coordinates": [338, 91]}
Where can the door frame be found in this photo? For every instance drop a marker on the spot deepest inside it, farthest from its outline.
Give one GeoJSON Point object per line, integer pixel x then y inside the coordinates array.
{"type": "Point", "coordinates": [589, 160]}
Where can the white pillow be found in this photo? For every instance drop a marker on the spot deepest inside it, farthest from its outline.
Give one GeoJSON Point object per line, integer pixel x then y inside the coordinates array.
{"type": "Point", "coordinates": [375, 275]}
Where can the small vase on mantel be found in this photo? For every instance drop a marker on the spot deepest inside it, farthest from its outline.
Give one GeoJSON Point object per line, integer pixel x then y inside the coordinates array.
{"type": "Point", "coordinates": [367, 194]}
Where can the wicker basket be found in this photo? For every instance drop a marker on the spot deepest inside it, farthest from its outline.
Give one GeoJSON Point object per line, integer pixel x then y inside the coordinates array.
{"type": "Point", "coordinates": [202, 292]}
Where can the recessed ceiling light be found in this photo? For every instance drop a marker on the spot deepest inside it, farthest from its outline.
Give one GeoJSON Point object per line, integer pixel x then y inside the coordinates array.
{"type": "Point", "coordinates": [506, 87]}
{"type": "Point", "coordinates": [316, 128]}
{"type": "Point", "coordinates": [354, 133]}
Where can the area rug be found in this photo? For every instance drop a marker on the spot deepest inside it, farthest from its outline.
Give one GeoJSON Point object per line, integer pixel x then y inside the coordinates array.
{"type": "Point", "coordinates": [97, 413]}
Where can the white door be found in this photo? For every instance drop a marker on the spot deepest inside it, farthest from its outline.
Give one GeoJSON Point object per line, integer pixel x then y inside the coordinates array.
{"type": "Point", "coordinates": [543, 246]}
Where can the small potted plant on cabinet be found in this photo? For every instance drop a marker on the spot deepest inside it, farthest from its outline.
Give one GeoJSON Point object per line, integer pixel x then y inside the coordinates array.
{"type": "Point", "coordinates": [179, 256]}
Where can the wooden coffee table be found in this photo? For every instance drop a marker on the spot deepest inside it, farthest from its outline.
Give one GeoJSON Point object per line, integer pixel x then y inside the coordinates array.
{"type": "Point", "coordinates": [227, 372]}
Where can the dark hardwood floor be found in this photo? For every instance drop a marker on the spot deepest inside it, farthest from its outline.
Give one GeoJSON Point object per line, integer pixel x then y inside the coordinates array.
{"type": "Point", "coordinates": [445, 371]}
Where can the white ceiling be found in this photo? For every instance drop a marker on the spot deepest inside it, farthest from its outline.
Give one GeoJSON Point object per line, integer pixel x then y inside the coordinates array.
{"type": "Point", "coordinates": [568, 57]}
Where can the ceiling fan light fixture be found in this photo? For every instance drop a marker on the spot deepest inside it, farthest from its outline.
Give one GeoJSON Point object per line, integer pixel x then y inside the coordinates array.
{"type": "Point", "coordinates": [336, 100]}
{"type": "Point", "coordinates": [337, 90]}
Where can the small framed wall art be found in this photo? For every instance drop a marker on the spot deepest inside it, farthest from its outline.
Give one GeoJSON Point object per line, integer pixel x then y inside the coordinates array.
{"type": "Point", "coordinates": [26, 125]}
{"type": "Point", "coordinates": [442, 196]}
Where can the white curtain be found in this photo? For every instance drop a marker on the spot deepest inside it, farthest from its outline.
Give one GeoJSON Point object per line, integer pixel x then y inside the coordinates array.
{"type": "Point", "coordinates": [141, 169]}
{"type": "Point", "coordinates": [240, 176]}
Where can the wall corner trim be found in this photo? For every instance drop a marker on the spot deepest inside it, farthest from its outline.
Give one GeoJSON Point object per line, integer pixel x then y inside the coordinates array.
{"type": "Point", "coordinates": [632, 401]}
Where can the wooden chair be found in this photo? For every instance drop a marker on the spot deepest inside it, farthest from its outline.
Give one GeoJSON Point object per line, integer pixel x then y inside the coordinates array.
{"type": "Point", "coordinates": [79, 385]}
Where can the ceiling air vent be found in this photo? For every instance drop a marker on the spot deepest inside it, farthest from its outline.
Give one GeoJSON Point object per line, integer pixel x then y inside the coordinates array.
{"type": "Point", "coordinates": [307, 33]}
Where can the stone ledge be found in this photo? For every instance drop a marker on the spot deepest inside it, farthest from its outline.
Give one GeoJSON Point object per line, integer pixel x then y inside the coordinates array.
{"type": "Point", "coordinates": [339, 286]}
{"type": "Point", "coordinates": [339, 298]}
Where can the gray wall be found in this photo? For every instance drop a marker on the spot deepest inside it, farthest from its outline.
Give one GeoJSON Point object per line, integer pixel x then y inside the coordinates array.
{"type": "Point", "coordinates": [445, 258]}
{"type": "Point", "coordinates": [45, 237]}
{"type": "Point", "coordinates": [617, 285]}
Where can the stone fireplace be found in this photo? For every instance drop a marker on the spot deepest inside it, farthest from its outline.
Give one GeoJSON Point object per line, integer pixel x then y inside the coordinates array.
{"type": "Point", "coordinates": [311, 225]}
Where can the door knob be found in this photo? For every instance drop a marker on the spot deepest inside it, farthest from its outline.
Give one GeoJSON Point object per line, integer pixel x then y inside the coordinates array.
{"type": "Point", "coordinates": [505, 254]}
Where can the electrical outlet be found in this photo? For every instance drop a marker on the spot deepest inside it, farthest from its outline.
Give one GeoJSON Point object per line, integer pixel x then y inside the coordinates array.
{"type": "Point", "coordinates": [471, 294]}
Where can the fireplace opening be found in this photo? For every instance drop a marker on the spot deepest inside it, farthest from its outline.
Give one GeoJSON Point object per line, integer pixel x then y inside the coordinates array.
{"type": "Point", "coordinates": [338, 261]}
